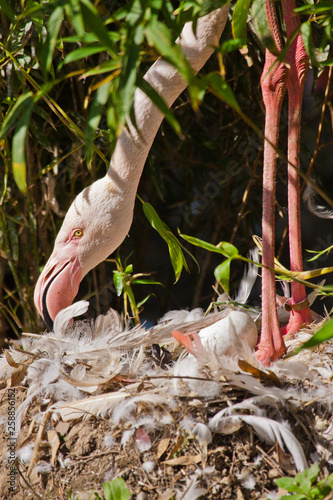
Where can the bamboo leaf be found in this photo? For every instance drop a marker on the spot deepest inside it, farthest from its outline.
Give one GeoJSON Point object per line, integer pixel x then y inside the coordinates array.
{"type": "Point", "coordinates": [95, 113]}
{"type": "Point", "coordinates": [239, 19]}
{"type": "Point", "coordinates": [308, 43]}
{"type": "Point", "coordinates": [74, 12]}
{"type": "Point", "coordinates": [83, 52]}
{"type": "Point", "coordinates": [127, 86]}
{"type": "Point", "coordinates": [224, 248]}
{"type": "Point", "coordinates": [94, 22]}
{"type": "Point", "coordinates": [53, 27]}
{"type": "Point", "coordinates": [12, 115]}
{"type": "Point", "coordinates": [177, 258]}
{"type": "Point", "coordinates": [220, 88]}
{"type": "Point", "coordinates": [18, 148]}
{"type": "Point", "coordinates": [322, 335]}
{"type": "Point", "coordinates": [7, 9]}
{"type": "Point", "coordinates": [261, 25]}
{"type": "Point", "coordinates": [159, 103]}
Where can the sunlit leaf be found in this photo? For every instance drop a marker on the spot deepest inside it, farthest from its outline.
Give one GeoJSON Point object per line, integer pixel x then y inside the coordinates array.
{"type": "Point", "coordinates": [118, 282]}
{"type": "Point", "coordinates": [230, 45]}
{"type": "Point", "coordinates": [127, 79]}
{"type": "Point", "coordinates": [116, 490]}
{"type": "Point", "coordinates": [18, 148]}
{"type": "Point", "coordinates": [239, 19]}
{"type": "Point", "coordinates": [322, 335]}
{"type": "Point", "coordinates": [224, 248]}
{"type": "Point", "coordinates": [177, 258]}
{"type": "Point", "coordinates": [222, 274]}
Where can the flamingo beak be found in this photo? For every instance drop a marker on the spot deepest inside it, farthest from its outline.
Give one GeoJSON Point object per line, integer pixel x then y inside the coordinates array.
{"type": "Point", "coordinates": [58, 285]}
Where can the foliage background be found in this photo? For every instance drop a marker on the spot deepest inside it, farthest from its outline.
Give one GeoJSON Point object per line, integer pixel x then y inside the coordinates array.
{"type": "Point", "coordinates": [206, 181]}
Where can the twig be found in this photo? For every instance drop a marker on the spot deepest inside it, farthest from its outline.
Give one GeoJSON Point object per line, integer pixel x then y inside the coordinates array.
{"type": "Point", "coordinates": [36, 495]}
{"type": "Point", "coordinates": [38, 441]}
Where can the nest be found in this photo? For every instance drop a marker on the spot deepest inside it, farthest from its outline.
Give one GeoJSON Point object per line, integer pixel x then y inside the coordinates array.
{"type": "Point", "coordinates": [95, 401]}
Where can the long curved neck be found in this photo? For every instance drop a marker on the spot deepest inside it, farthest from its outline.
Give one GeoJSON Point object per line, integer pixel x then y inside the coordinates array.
{"type": "Point", "coordinates": [134, 144]}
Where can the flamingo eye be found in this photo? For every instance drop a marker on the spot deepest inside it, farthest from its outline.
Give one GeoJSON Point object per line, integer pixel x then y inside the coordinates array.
{"type": "Point", "coordinates": [78, 233]}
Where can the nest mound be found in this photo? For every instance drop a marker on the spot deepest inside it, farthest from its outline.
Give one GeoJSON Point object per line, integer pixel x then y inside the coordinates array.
{"type": "Point", "coordinates": [94, 402]}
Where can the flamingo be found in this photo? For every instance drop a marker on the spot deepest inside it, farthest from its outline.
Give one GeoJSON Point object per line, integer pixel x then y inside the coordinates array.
{"type": "Point", "coordinates": [100, 216]}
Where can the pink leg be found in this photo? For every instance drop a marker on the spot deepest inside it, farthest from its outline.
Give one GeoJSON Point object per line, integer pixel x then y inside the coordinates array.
{"type": "Point", "coordinates": [298, 61]}
{"type": "Point", "coordinates": [274, 81]}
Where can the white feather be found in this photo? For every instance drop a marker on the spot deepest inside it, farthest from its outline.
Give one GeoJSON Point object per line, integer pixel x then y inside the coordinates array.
{"type": "Point", "coordinates": [249, 278]}
{"type": "Point", "coordinates": [267, 430]}
{"type": "Point", "coordinates": [309, 197]}
{"type": "Point", "coordinates": [191, 490]}
{"type": "Point", "coordinates": [149, 466]}
{"type": "Point", "coordinates": [65, 315]}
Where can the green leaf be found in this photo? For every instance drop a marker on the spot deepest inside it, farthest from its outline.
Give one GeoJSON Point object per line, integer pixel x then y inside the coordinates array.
{"type": "Point", "coordinates": [177, 258]}
{"type": "Point", "coordinates": [159, 103]}
{"type": "Point", "coordinates": [319, 254]}
{"type": "Point", "coordinates": [10, 119]}
{"type": "Point", "coordinates": [129, 269]}
{"type": "Point", "coordinates": [105, 67]}
{"type": "Point", "coordinates": [95, 113]}
{"type": "Point", "coordinates": [322, 335]}
{"type": "Point", "coordinates": [145, 282]}
{"type": "Point", "coordinates": [116, 490]}
{"type": "Point", "coordinates": [18, 148]}
{"type": "Point", "coordinates": [13, 238]}
{"type": "Point", "coordinates": [308, 43]}
{"type": "Point", "coordinates": [220, 88]}
{"type": "Point", "coordinates": [222, 274]}
{"type": "Point", "coordinates": [94, 22]}
{"type": "Point", "coordinates": [53, 27]}
{"type": "Point", "coordinates": [298, 496]}
{"type": "Point", "coordinates": [143, 301]}
{"type": "Point", "coordinates": [230, 45]}
{"type": "Point", "coordinates": [7, 9]}
{"type": "Point", "coordinates": [261, 25]}
{"type": "Point", "coordinates": [289, 484]}
{"type": "Point", "coordinates": [73, 11]}
{"type": "Point", "coordinates": [239, 19]}
{"type": "Point", "coordinates": [210, 5]}
{"type": "Point", "coordinates": [224, 248]}
{"type": "Point", "coordinates": [130, 64]}
{"type": "Point", "coordinates": [118, 282]}
{"type": "Point", "coordinates": [83, 52]}
{"type": "Point", "coordinates": [159, 36]}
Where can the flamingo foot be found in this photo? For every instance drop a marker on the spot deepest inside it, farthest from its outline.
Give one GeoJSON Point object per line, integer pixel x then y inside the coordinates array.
{"type": "Point", "coordinates": [296, 321]}
{"type": "Point", "coordinates": [271, 347]}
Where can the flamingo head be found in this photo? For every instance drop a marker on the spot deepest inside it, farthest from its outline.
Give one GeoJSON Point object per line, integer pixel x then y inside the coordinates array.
{"type": "Point", "coordinates": [95, 225]}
